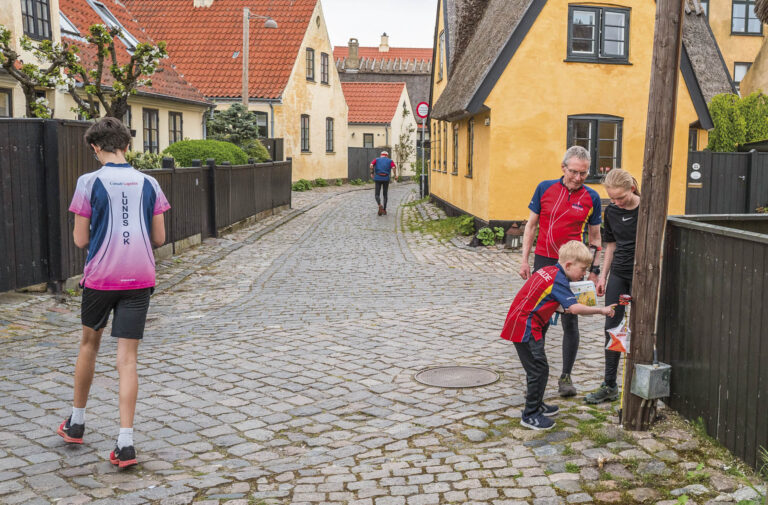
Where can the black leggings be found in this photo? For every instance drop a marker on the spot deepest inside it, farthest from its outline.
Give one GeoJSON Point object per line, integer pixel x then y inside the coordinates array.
{"type": "Point", "coordinates": [379, 186]}
{"type": "Point", "coordinates": [570, 323]}
{"type": "Point", "coordinates": [616, 287]}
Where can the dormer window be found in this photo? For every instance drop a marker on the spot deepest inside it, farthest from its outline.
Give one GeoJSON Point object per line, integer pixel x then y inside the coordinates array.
{"type": "Point", "coordinates": [111, 21]}
{"type": "Point", "coordinates": [67, 27]}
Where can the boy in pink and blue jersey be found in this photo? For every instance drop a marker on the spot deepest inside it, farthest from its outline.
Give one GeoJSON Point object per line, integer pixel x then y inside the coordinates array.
{"type": "Point", "coordinates": [527, 322]}
{"type": "Point", "coordinates": [118, 217]}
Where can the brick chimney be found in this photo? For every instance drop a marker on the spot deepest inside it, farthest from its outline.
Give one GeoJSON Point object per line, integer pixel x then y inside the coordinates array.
{"type": "Point", "coordinates": [353, 59]}
{"type": "Point", "coordinates": [384, 46]}
{"type": "Point", "coordinates": [202, 3]}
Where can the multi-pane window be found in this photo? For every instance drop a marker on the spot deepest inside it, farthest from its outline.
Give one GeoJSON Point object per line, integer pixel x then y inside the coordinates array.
{"type": "Point", "coordinates": [693, 139]}
{"type": "Point", "coordinates": [304, 133]}
{"type": "Point", "coordinates": [128, 118]}
{"type": "Point", "coordinates": [470, 145]}
{"type": "Point", "coordinates": [743, 18]}
{"type": "Point", "coordinates": [36, 18]}
{"type": "Point", "coordinates": [329, 134]}
{"type": "Point", "coordinates": [436, 150]}
{"type": "Point", "coordinates": [739, 71]}
{"type": "Point", "coordinates": [6, 102]}
{"type": "Point", "coordinates": [151, 130]}
{"type": "Point", "coordinates": [261, 123]}
{"type": "Point", "coordinates": [175, 127]}
{"type": "Point", "coordinates": [441, 55]}
{"type": "Point", "coordinates": [445, 147]}
{"type": "Point", "coordinates": [368, 140]}
{"type": "Point", "coordinates": [455, 150]}
{"type": "Point", "coordinates": [324, 68]}
{"type": "Point", "coordinates": [310, 64]}
{"type": "Point", "coordinates": [598, 34]}
{"type": "Point", "coordinates": [601, 136]}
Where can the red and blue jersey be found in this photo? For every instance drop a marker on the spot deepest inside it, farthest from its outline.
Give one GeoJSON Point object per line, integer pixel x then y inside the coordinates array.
{"type": "Point", "coordinates": [563, 214]}
{"type": "Point", "coordinates": [120, 201]}
{"type": "Point", "coordinates": [382, 168]}
{"type": "Point", "coordinates": [535, 303]}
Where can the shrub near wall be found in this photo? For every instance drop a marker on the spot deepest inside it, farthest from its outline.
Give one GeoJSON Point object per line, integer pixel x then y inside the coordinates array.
{"type": "Point", "coordinates": [187, 150]}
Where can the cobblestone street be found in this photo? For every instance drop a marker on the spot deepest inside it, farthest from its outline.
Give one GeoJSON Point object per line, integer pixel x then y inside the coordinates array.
{"type": "Point", "coordinates": [277, 367]}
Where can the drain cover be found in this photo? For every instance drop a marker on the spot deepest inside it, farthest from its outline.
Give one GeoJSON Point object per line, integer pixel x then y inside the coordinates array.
{"type": "Point", "coordinates": [457, 377]}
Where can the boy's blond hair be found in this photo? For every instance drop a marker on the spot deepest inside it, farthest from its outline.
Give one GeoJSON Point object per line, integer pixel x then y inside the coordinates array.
{"type": "Point", "coordinates": [575, 252]}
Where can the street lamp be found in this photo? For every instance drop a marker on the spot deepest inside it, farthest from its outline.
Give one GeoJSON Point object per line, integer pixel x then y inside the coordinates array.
{"type": "Point", "coordinates": [269, 23]}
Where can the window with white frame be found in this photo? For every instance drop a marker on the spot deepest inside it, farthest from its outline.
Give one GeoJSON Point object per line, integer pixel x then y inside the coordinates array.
{"type": "Point", "coordinates": [740, 69]}
{"type": "Point", "coordinates": [111, 21]}
{"type": "Point", "coordinates": [598, 34]}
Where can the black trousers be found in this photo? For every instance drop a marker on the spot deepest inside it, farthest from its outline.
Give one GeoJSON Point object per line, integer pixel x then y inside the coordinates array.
{"type": "Point", "coordinates": [617, 286]}
{"type": "Point", "coordinates": [570, 323]}
{"type": "Point", "coordinates": [534, 361]}
{"type": "Point", "coordinates": [379, 186]}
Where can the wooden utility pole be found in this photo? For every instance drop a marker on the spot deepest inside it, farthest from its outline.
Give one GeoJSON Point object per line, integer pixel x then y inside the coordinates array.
{"type": "Point", "coordinates": [652, 218]}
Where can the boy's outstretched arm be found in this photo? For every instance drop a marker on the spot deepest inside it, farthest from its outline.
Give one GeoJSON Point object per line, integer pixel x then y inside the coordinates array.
{"type": "Point", "coordinates": [586, 310]}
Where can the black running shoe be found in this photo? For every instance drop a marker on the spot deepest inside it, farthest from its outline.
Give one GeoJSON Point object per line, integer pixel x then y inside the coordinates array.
{"type": "Point", "coordinates": [548, 410]}
{"type": "Point", "coordinates": [123, 457]}
{"type": "Point", "coordinates": [71, 433]}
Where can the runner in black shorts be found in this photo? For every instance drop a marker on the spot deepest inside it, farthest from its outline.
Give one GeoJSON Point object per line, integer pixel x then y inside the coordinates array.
{"type": "Point", "coordinates": [118, 214]}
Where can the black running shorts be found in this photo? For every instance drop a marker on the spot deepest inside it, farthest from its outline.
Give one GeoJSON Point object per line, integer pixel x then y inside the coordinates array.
{"type": "Point", "coordinates": [130, 306]}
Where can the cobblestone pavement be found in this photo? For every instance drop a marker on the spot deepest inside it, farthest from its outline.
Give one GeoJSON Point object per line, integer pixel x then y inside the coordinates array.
{"type": "Point", "coordinates": [277, 367]}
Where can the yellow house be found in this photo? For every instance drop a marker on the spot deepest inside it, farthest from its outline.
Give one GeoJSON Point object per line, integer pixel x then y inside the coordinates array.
{"type": "Point", "coordinates": [292, 84]}
{"type": "Point", "coordinates": [516, 83]}
{"type": "Point", "coordinates": [169, 110]}
{"type": "Point", "coordinates": [738, 32]}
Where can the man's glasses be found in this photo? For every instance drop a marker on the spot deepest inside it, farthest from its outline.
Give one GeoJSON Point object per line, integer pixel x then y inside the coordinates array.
{"type": "Point", "coordinates": [576, 173]}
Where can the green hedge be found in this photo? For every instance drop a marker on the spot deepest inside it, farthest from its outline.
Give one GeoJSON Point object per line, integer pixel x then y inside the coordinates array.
{"type": "Point", "coordinates": [187, 150]}
{"type": "Point", "coordinates": [256, 150]}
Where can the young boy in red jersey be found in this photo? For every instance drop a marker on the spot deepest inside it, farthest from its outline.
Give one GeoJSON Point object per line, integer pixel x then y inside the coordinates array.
{"type": "Point", "coordinates": [528, 320]}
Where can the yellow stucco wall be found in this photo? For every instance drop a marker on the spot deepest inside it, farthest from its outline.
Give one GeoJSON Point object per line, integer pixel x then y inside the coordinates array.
{"type": "Point", "coordinates": [530, 105]}
{"type": "Point", "coordinates": [735, 48]}
{"type": "Point", "coordinates": [319, 101]}
{"type": "Point", "coordinates": [380, 134]}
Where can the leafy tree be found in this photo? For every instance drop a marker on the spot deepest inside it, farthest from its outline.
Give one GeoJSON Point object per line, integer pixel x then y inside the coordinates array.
{"type": "Point", "coordinates": [126, 78]}
{"type": "Point", "coordinates": [754, 110]}
{"type": "Point", "coordinates": [730, 126]}
{"type": "Point", "coordinates": [406, 143]}
{"type": "Point", "coordinates": [53, 57]}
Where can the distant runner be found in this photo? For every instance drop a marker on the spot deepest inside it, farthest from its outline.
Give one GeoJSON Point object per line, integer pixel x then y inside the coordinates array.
{"type": "Point", "coordinates": [382, 170]}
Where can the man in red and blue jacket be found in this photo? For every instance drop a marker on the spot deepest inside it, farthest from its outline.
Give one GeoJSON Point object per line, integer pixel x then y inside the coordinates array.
{"type": "Point", "coordinates": [382, 170]}
{"type": "Point", "coordinates": [562, 209]}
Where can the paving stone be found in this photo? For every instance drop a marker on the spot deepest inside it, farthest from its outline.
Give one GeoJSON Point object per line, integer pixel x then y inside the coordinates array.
{"type": "Point", "coordinates": [643, 494]}
{"type": "Point", "coordinates": [608, 497]}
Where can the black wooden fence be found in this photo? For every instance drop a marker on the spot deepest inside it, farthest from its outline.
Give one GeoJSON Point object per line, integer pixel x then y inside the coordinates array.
{"type": "Point", "coordinates": [40, 162]}
{"type": "Point", "coordinates": [359, 161]}
{"type": "Point", "coordinates": [726, 183]}
{"type": "Point", "coordinates": [713, 324]}
{"type": "Point", "coordinates": [275, 148]}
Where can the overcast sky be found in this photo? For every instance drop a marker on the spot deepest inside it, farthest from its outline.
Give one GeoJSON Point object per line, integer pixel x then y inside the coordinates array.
{"type": "Point", "coordinates": [409, 23]}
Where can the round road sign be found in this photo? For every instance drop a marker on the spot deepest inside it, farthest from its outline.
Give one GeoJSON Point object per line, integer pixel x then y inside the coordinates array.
{"type": "Point", "coordinates": [422, 110]}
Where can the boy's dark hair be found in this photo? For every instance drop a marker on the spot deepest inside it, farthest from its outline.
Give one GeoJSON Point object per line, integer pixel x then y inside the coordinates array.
{"type": "Point", "coordinates": [109, 134]}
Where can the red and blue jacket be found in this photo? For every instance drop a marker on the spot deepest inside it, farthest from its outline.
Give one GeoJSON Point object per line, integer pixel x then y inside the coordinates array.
{"type": "Point", "coordinates": [563, 214]}
{"type": "Point", "coordinates": [535, 303]}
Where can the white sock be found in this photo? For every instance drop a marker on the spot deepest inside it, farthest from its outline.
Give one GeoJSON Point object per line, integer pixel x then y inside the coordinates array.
{"type": "Point", "coordinates": [78, 416]}
{"type": "Point", "coordinates": [125, 438]}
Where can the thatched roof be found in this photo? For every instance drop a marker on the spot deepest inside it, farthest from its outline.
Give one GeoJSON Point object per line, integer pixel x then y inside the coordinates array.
{"type": "Point", "coordinates": [700, 47]}
{"type": "Point", "coordinates": [506, 22]}
{"type": "Point", "coordinates": [483, 50]}
{"type": "Point", "coordinates": [761, 9]}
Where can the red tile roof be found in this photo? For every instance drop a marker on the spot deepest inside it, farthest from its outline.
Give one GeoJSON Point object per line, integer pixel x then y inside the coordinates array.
{"type": "Point", "coordinates": [405, 53]}
{"type": "Point", "coordinates": [205, 42]}
{"type": "Point", "coordinates": [372, 102]}
{"type": "Point", "coordinates": [166, 82]}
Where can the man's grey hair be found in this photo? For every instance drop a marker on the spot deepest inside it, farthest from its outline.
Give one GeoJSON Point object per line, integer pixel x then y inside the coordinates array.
{"type": "Point", "coordinates": [577, 152]}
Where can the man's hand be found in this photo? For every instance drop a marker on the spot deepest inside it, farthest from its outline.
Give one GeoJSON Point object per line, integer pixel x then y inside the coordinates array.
{"type": "Point", "coordinates": [600, 286]}
{"type": "Point", "coordinates": [525, 270]}
{"type": "Point", "coordinates": [592, 277]}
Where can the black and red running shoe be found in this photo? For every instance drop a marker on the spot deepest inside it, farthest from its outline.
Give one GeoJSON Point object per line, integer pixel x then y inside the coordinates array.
{"type": "Point", "coordinates": [71, 433]}
{"type": "Point", "coordinates": [124, 457]}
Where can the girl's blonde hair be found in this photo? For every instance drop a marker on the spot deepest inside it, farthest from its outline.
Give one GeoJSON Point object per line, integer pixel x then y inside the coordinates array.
{"type": "Point", "coordinates": [618, 178]}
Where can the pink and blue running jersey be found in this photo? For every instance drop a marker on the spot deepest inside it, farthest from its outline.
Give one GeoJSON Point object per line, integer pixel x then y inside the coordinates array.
{"type": "Point", "coordinates": [120, 202]}
{"type": "Point", "coordinates": [563, 214]}
{"type": "Point", "coordinates": [535, 303]}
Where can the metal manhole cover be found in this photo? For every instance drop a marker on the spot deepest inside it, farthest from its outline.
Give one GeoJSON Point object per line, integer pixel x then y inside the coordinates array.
{"type": "Point", "coordinates": [456, 377]}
